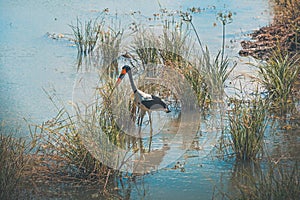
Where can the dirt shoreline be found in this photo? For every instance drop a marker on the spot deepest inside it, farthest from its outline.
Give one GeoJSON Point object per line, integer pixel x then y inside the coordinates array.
{"type": "Point", "coordinates": [283, 33]}
{"type": "Point", "coordinates": [267, 39]}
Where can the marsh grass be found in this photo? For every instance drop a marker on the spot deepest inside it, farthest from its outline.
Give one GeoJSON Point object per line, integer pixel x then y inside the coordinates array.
{"type": "Point", "coordinates": [177, 43]}
{"type": "Point", "coordinates": [278, 182]}
{"type": "Point", "coordinates": [61, 143]}
{"type": "Point", "coordinates": [247, 122]}
{"type": "Point", "coordinates": [104, 125]}
{"type": "Point", "coordinates": [94, 36]}
{"type": "Point", "coordinates": [288, 14]}
{"type": "Point", "coordinates": [216, 72]}
{"type": "Point", "coordinates": [108, 48]}
{"type": "Point", "coordinates": [178, 55]}
{"type": "Point", "coordinates": [278, 76]}
{"type": "Point", "coordinates": [106, 114]}
{"type": "Point", "coordinates": [86, 35]}
{"type": "Point", "coordinates": [145, 45]}
{"type": "Point", "coordinates": [13, 161]}
{"type": "Point", "coordinates": [59, 159]}
{"type": "Point", "coordinates": [56, 158]}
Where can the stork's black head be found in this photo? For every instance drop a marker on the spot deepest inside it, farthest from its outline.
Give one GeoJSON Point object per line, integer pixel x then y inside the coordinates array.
{"type": "Point", "coordinates": [125, 69]}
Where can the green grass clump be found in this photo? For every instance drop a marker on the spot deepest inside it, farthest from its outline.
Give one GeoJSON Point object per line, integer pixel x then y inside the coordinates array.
{"type": "Point", "coordinates": [173, 48]}
{"type": "Point", "coordinates": [278, 75]}
{"type": "Point", "coordinates": [215, 71]}
{"type": "Point", "coordinates": [108, 49]}
{"type": "Point", "coordinates": [247, 124]}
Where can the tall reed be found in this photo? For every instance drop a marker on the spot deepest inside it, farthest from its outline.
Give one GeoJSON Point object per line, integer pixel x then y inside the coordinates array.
{"type": "Point", "coordinates": [225, 18]}
{"type": "Point", "coordinates": [146, 45]}
{"type": "Point", "coordinates": [93, 36]}
{"type": "Point", "coordinates": [214, 70]}
{"type": "Point", "coordinates": [86, 35]}
{"type": "Point", "coordinates": [217, 71]}
{"type": "Point", "coordinates": [108, 48]}
{"type": "Point", "coordinates": [174, 47]}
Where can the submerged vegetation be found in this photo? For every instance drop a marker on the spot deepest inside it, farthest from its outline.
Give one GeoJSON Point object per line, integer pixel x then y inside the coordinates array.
{"type": "Point", "coordinates": [276, 182]}
{"type": "Point", "coordinates": [58, 152]}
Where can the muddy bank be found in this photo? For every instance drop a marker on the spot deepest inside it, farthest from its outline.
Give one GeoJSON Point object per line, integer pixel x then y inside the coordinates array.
{"type": "Point", "coordinates": [267, 39]}
{"type": "Point", "coordinates": [282, 33]}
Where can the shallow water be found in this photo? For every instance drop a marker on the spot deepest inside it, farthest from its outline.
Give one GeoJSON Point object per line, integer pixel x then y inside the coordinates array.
{"type": "Point", "coordinates": [30, 61]}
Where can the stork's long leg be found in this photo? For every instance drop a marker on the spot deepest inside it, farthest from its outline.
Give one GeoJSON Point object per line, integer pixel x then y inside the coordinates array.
{"type": "Point", "coordinates": [150, 140]}
{"type": "Point", "coordinates": [141, 116]}
{"type": "Point", "coordinates": [150, 120]}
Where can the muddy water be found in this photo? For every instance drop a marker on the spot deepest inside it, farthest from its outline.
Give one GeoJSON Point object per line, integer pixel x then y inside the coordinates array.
{"type": "Point", "coordinates": [31, 62]}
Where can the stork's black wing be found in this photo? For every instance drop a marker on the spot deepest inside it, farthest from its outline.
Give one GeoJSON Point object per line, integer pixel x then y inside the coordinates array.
{"type": "Point", "coordinates": [154, 104]}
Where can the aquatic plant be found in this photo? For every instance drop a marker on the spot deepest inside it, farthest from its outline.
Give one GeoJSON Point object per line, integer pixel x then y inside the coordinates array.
{"type": "Point", "coordinates": [216, 73]}
{"type": "Point", "coordinates": [54, 155]}
{"type": "Point", "coordinates": [86, 35]}
{"type": "Point", "coordinates": [188, 18]}
{"type": "Point", "coordinates": [176, 43]}
{"type": "Point", "coordinates": [214, 70]}
{"type": "Point", "coordinates": [103, 41]}
{"type": "Point", "coordinates": [146, 46]}
{"type": "Point", "coordinates": [225, 18]}
{"type": "Point", "coordinates": [174, 48]}
{"type": "Point", "coordinates": [108, 48]}
{"type": "Point", "coordinates": [278, 75]}
{"type": "Point", "coordinates": [247, 124]}
{"type": "Point", "coordinates": [60, 150]}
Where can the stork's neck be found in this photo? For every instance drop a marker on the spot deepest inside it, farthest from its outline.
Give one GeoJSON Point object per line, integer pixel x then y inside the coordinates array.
{"type": "Point", "coordinates": [134, 89]}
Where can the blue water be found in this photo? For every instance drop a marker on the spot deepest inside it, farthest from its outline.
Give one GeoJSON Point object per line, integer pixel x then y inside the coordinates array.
{"type": "Point", "coordinates": [30, 61]}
